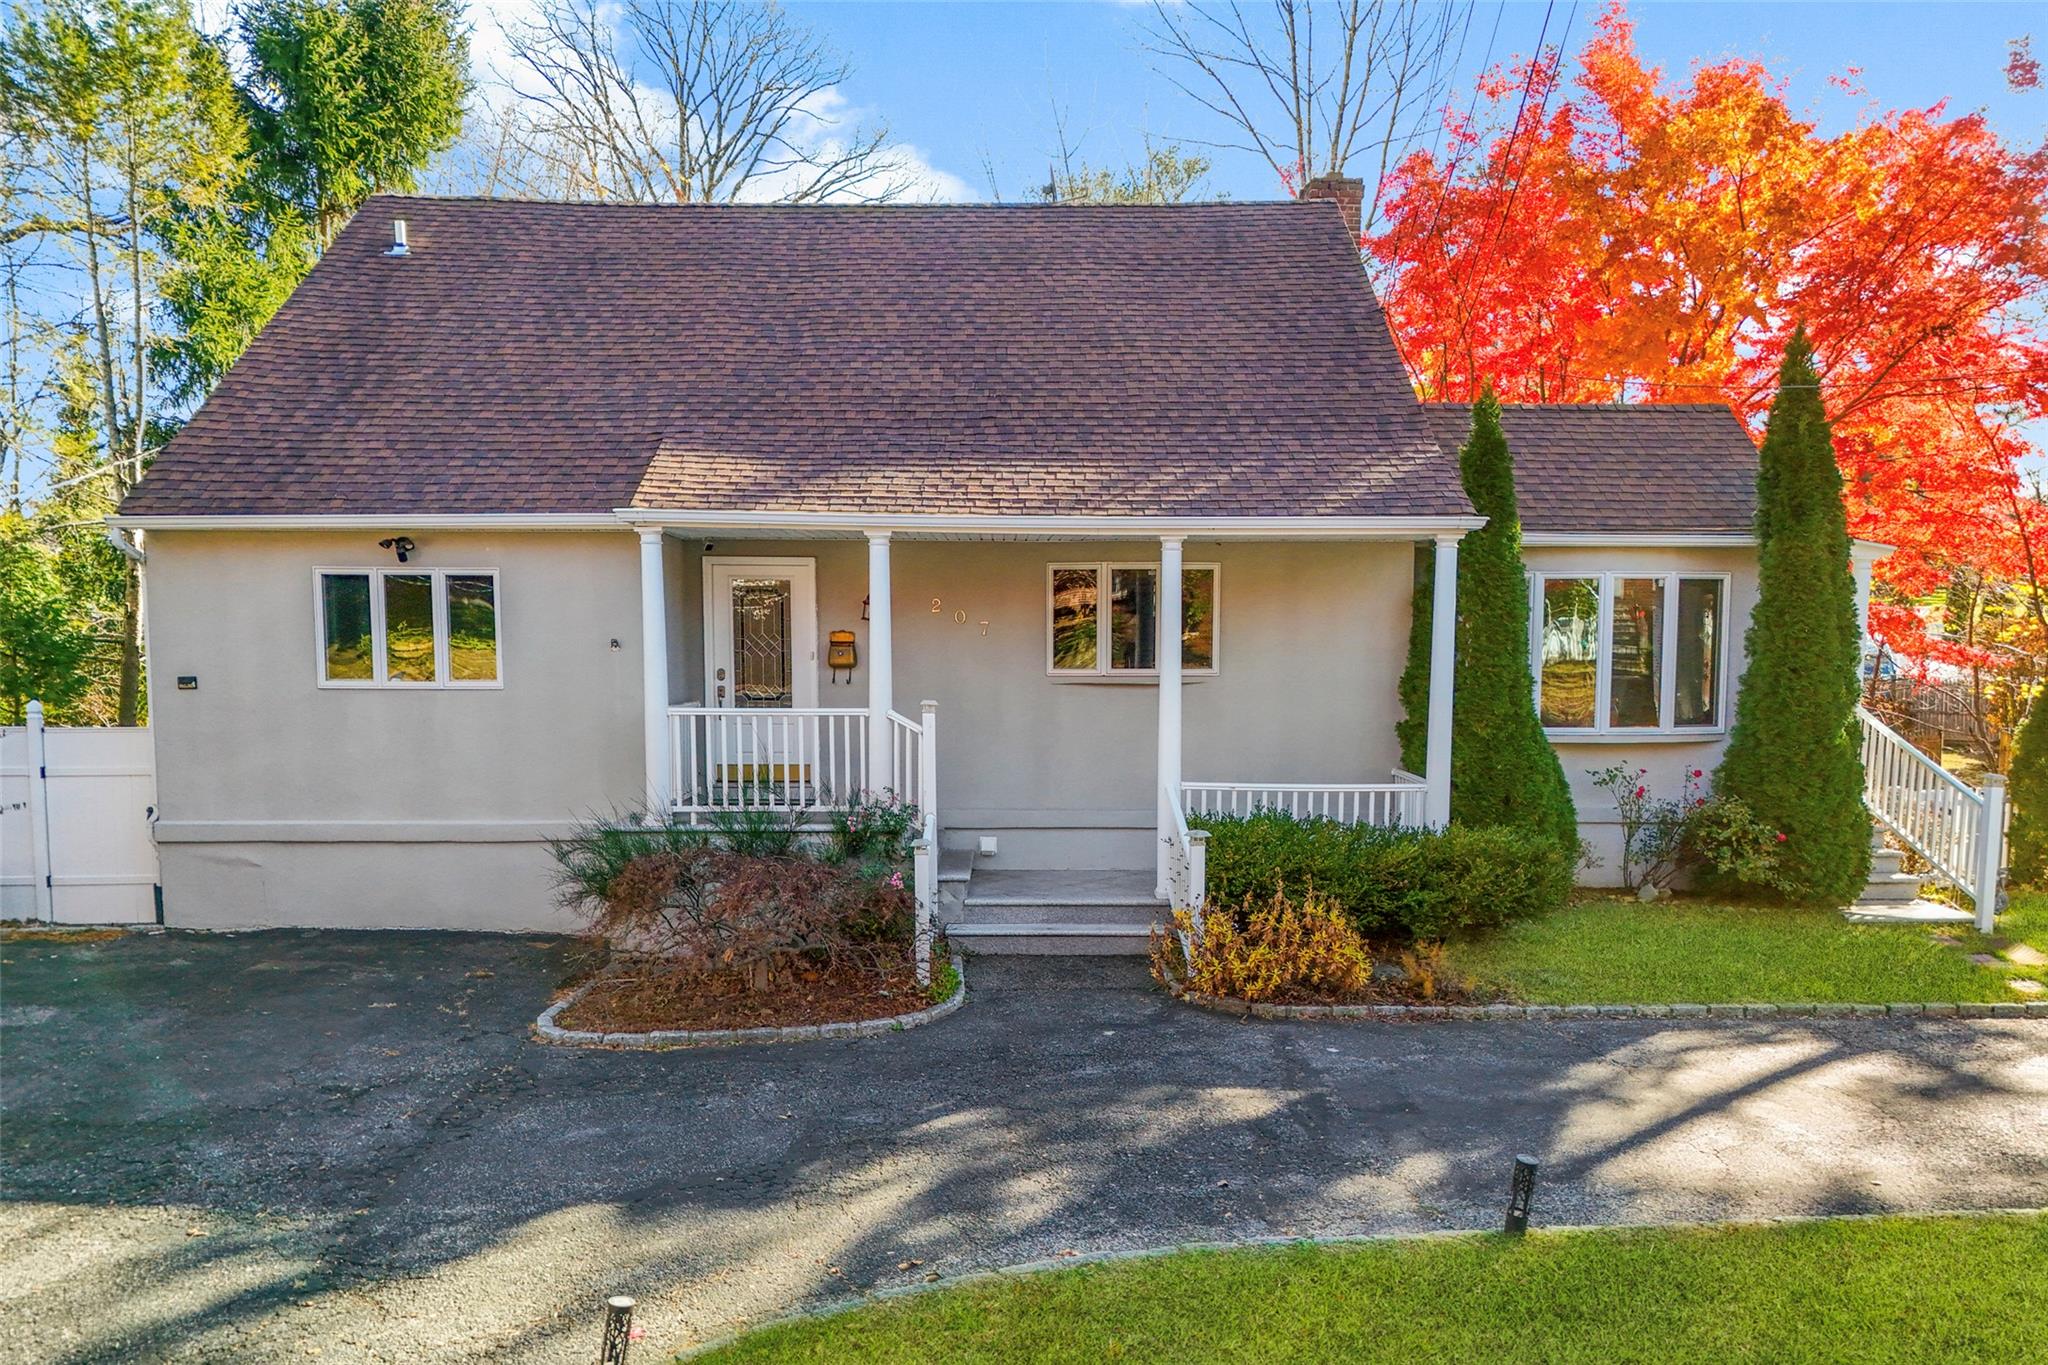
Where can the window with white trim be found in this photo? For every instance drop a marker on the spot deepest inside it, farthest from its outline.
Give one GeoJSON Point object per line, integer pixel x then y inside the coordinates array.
{"type": "Point", "coordinates": [1103, 619]}
{"type": "Point", "coordinates": [1629, 652]}
{"type": "Point", "coordinates": [408, 627]}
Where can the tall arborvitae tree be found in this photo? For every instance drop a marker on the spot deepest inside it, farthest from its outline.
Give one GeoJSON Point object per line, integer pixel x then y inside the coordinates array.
{"type": "Point", "coordinates": [1412, 730]}
{"type": "Point", "coordinates": [1503, 770]}
{"type": "Point", "coordinates": [2028, 836]}
{"type": "Point", "coordinates": [1794, 755]}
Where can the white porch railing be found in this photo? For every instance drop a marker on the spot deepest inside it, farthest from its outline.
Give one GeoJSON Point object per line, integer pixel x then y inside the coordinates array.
{"type": "Point", "coordinates": [1959, 830]}
{"type": "Point", "coordinates": [763, 758]}
{"type": "Point", "coordinates": [810, 758]}
{"type": "Point", "coordinates": [780, 758]}
{"type": "Point", "coordinates": [1399, 802]}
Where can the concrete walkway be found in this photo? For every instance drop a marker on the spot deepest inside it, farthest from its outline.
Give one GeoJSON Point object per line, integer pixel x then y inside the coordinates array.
{"type": "Point", "coordinates": [253, 1146]}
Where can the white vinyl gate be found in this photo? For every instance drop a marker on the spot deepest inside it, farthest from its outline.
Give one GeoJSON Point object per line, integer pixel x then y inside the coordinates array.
{"type": "Point", "coordinates": [76, 806]}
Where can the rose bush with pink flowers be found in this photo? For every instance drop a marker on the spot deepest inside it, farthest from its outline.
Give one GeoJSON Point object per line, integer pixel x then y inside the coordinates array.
{"type": "Point", "coordinates": [1698, 833]}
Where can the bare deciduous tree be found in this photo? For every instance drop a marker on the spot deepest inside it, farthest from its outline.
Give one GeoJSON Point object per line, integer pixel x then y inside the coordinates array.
{"type": "Point", "coordinates": [686, 101]}
{"type": "Point", "coordinates": [1343, 87]}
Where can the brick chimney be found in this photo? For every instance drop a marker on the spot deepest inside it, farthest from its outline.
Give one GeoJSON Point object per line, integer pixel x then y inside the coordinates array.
{"type": "Point", "coordinates": [1347, 193]}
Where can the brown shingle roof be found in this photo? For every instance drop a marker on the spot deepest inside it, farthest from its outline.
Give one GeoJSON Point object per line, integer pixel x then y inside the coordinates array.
{"type": "Point", "coordinates": [1621, 467]}
{"type": "Point", "coordinates": [1220, 359]}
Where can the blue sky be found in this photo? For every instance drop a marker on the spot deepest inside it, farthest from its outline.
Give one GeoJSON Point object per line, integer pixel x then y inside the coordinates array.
{"type": "Point", "coordinates": [967, 83]}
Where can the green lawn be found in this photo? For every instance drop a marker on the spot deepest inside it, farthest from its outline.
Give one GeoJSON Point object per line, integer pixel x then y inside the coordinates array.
{"type": "Point", "coordinates": [1896, 1289]}
{"type": "Point", "coordinates": [1614, 952]}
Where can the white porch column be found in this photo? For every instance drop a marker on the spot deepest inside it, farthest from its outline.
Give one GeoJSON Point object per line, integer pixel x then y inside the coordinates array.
{"type": "Point", "coordinates": [1443, 641]}
{"type": "Point", "coordinates": [1860, 565]}
{"type": "Point", "coordinates": [1169, 699]}
{"type": "Point", "coordinates": [881, 666]}
{"type": "Point", "coordinates": [654, 669]}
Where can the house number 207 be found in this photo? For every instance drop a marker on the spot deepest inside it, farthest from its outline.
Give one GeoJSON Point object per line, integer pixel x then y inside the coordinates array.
{"type": "Point", "coordinates": [959, 615]}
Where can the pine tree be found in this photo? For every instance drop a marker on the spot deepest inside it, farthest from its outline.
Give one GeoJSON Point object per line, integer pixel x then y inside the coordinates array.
{"type": "Point", "coordinates": [1412, 730]}
{"type": "Point", "coordinates": [1503, 769]}
{"type": "Point", "coordinates": [1794, 756]}
{"type": "Point", "coordinates": [2028, 836]}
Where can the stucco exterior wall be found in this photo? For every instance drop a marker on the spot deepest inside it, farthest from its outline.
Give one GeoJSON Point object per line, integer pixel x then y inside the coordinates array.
{"type": "Point", "coordinates": [282, 802]}
{"type": "Point", "coordinates": [1667, 760]}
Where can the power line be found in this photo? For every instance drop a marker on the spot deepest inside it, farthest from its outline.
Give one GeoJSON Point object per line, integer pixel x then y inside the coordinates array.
{"type": "Point", "coordinates": [1471, 108]}
{"type": "Point", "coordinates": [1556, 74]}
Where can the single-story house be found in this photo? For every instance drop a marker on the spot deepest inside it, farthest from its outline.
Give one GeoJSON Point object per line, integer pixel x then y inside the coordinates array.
{"type": "Point", "coordinates": [518, 513]}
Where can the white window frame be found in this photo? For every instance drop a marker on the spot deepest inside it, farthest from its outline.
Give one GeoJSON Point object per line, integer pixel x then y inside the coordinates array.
{"type": "Point", "coordinates": [378, 664]}
{"type": "Point", "coordinates": [1667, 685]}
{"type": "Point", "coordinates": [1101, 569]}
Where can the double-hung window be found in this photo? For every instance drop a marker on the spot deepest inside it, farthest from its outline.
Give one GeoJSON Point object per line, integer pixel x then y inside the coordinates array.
{"type": "Point", "coordinates": [408, 627]}
{"type": "Point", "coordinates": [1103, 619]}
{"type": "Point", "coordinates": [1629, 652]}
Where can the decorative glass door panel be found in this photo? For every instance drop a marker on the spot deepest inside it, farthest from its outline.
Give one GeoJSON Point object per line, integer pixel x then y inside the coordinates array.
{"type": "Point", "coordinates": [763, 673]}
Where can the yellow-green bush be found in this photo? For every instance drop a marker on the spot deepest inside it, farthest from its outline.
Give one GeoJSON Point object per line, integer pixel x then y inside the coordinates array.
{"type": "Point", "coordinates": [1282, 950]}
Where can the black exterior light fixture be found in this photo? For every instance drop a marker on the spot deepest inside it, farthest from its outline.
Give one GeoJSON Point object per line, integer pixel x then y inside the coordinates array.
{"type": "Point", "coordinates": [1521, 1194]}
{"type": "Point", "coordinates": [401, 546]}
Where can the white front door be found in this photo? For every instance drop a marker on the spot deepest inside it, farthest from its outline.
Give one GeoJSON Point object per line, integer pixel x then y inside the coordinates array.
{"type": "Point", "coordinates": [761, 654]}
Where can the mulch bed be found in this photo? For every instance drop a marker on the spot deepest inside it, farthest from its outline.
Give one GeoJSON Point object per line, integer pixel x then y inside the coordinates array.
{"type": "Point", "coordinates": [635, 995]}
{"type": "Point", "coordinates": [57, 934]}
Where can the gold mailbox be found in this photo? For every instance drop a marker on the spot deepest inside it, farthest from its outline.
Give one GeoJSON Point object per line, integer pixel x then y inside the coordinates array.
{"type": "Point", "coordinates": [839, 651]}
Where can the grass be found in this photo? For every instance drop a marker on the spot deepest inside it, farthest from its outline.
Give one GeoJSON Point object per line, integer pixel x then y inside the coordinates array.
{"type": "Point", "coordinates": [2026, 919]}
{"type": "Point", "coordinates": [1926, 1289]}
{"type": "Point", "coordinates": [1604, 952]}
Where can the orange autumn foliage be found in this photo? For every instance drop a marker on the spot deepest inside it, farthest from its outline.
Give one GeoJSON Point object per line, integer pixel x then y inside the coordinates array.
{"type": "Point", "coordinates": [1626, 236]}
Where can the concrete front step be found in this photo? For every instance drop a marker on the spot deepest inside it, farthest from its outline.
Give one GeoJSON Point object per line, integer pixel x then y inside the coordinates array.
{"type": "Point", "coordinates": [1092, 886]}
{"type": "Point", "coordinates": [1909, 912]}
{"type": "Point", "coordinates": [1136, 917]}
{"type": "Point", "coordinates": [1021, 910]}
{"type": "Point", "coordinates": [1089, 940]}
{"type": "Point", "coordinates": [1886, 862]}
{"type": "Point", "coordinates": [1898, 888]}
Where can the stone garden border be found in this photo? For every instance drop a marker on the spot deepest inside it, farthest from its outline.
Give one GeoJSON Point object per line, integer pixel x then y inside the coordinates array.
{"type": "Point", "coordinates": [2007, 1009]}
{"type": "Point", "coordinates": [548, 1031]}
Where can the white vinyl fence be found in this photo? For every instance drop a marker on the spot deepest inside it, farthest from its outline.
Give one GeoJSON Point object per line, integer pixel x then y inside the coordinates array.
{"type": "Point", "coordinates": [76, 806]}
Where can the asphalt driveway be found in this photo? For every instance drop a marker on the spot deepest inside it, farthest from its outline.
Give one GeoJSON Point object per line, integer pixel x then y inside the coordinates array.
{"type": "Point", "coordinates": [262, 1145]}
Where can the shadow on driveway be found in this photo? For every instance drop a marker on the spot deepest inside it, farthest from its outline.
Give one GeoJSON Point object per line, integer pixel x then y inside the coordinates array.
{"type": "Point", "coordinates": [253, 1144]}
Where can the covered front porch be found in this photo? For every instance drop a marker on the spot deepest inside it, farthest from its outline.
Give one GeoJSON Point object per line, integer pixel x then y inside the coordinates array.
{"type": "Point", "coordinates": [795, 663]}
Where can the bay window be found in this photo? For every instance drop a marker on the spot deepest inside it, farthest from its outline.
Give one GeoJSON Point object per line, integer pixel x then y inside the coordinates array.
{"type": "Point", "coordinates": [408, 627]}
{"type": "Point", "coordinates": [1619, 653]}
{"type": "Point", "coordinates": [1103, 619]}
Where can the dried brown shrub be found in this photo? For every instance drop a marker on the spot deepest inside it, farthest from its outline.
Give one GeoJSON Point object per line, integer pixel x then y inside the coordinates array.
{"type": "Point", "coordinates": [748, 919]}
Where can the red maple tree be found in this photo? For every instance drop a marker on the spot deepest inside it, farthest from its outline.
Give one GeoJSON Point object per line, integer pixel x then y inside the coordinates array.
{"type": "Point", "coordinates": [1627, 236]}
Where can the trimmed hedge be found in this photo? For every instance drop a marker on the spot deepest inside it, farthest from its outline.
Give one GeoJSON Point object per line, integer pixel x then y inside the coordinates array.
{"type": "Point", "coordinates": [1392, 883]}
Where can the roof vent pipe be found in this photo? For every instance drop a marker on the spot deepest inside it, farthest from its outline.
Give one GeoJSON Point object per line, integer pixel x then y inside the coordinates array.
{"type": "Point", "coordinates": [398, 247]}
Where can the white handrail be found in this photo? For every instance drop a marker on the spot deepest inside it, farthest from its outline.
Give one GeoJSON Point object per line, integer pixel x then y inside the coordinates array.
{"type": "Point", "coordinates": [1187, 869]}
{"type": "Point", "coordinates": [1352, 803]}
{"type": "Point", "coordinates": [914, 748]}
{"type": "Point", "coordinates": [1959, 830]}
